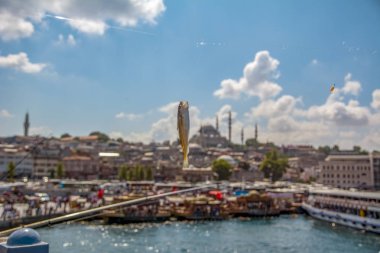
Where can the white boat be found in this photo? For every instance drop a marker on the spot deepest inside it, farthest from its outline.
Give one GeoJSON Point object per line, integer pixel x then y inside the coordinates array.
{"type": "Point", "coordinates": [360, 210]}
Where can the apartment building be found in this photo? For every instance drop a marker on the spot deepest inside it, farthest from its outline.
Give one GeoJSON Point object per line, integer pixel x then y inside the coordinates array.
{"type": "Point", "coordinates": [347, 171]}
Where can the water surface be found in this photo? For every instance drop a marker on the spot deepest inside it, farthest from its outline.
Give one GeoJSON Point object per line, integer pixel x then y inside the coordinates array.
{"type": "Point", "coordinates": [281, 234]}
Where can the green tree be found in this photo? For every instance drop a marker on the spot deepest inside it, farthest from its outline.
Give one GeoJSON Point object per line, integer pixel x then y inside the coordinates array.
{"type": "Point", "coordinates": [102, 137]}
{"type": "Point", "coordinates": [136, 173]}
{"type": "Point", "coordinates": [120, 140]}
{"type": "Point", "coordinates": [222, 168]}
{"type": "Point", "coordinates": [11, 171]}
{"type": "Point", "coordinates": [52, 173]}
{"type": "Point", "coordinates": [65, 135]}
{"type": "Point", "coordinates": [123, 172]}
{"type": "Point", "coordinates": [149, 174]}
{"type": "Point", "coordinates": [324, 149]}
{"type": "Point", "coordinates": [141, 173]}
{"type": "Point", "coordinates": [130, 175]}
{"type": "Point", "coordinates": [273, 166]}
{"type": "Point", "coordinates": [252, 142]}
{"type": "Point", "coordinates": [335, 148]}
{"type": "Point", "coordinates": [359, 150]}
{"type": "Point", "coordinates": [60, 171]}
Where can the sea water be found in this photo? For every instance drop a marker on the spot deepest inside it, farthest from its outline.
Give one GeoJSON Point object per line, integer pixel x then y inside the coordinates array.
{"type": "Point", "coordinates": [279, 234]}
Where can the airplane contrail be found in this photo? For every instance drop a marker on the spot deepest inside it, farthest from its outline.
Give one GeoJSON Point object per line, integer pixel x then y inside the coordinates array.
{"type": "Point", "coordinates": [108, 26]}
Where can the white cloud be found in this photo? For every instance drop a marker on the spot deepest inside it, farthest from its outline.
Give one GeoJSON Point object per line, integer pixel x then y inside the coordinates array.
{"type": "Point", "coordinates": [70, 40]}
{"type": "Point", "coordinates": [97, 27]}
{"type": "Point", "coordinates": [17, 19]}
{"type": "Point", "coordinates": [273, 108]}
{"type": "Point", "coordinates": [340, 120]}
{"type": "Point", "coordinates": [258, 79]}
{"type": "Point", "coordinates": [340, 113]}
{"type": "Point", "coordinates": [129, 116]}
{"type": "Point", "coordinates": [165, 128]}
{"type": "Point", "coordinates": [12, 27]}
{"type": "Point", "coordinates": [376, 99]}
{"type": "Point", "coordinates": [351, 86]}
{"type": "Point", "coordinates": [21, 62]}
{"type": "Point", "coordinates": [5, 114]}
{"type": "Point", "coordinates": [314, 62]}
{"type": "Point", "coordinates": [282, 124]}
{"type": "Point", "coordinates": [223, 113]}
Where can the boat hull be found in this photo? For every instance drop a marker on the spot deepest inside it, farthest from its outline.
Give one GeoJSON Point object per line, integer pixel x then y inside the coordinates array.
{"type": "Point", "coordinates": [344, 219]}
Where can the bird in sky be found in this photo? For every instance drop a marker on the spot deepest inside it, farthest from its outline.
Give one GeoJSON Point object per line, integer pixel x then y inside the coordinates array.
{"type": "Point", "coordinates": [332, 88]}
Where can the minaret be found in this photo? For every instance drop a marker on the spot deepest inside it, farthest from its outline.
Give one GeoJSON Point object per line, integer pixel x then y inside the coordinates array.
{"type": "Point", "coordinates": [242, 136]}
{"type": "Point", "coordinates": [256, 135]}
{"type": "Point", "coordinates": [26, 124]}
{"type": "Point", "coordinates": [229, 126]}
{"type": "Point", "coordinates": [217, 123]}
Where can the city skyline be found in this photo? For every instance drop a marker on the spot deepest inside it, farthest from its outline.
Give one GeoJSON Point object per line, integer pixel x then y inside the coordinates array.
{"type": "Point", "coordinates": [124, 70]}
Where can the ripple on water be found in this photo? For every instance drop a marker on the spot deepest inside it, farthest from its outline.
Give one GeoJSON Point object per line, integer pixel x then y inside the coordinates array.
{"type": "Point", "coordinates": [283, 234]}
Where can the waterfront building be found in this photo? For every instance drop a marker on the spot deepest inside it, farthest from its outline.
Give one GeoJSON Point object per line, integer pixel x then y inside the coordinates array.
{"type": "Point", "coordinates": [80, 167]}
{"type": "Point", "coordinates": [109, 164]}
{"type": "Point", "coordinates": [198, 156]}
{"type": "Point", "coordinates": [298, 150]}
{"type": "Point", "coordinates": [166, 171]}
{"type": "Point", "coordinates": [298, 165]}
{"type": "Point", "coordinates": [19, 157]}
{"type": "Point", "coordinates": [347, 171]}
{"type": "Point", "coordinates": [45, 162]}
{"type": "Point", "coordinates": [252, 173]}
{"type": "Point", "coordinates": [193, 174]}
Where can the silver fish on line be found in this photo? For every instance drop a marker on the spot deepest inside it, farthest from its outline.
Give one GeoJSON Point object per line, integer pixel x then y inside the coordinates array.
{"type": "Point", "coordinates": [183, 125]}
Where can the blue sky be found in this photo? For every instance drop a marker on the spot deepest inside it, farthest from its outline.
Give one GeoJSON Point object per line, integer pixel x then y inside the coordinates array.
{"type": "Point", "coordinates": [79, 76]}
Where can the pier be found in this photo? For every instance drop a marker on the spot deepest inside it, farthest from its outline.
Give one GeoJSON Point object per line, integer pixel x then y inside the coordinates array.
{"type": "Point", "coordinates": [86, 214]}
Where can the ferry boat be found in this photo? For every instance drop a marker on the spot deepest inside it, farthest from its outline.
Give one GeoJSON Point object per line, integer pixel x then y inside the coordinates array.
{"type": "Point", "coordinates": [360, 210]}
